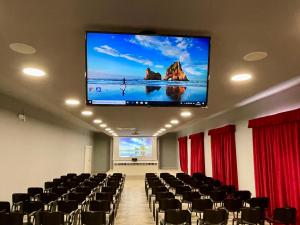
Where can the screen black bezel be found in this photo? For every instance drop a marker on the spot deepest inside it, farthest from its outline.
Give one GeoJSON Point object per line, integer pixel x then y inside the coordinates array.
{"type": "Point", "coordinates": [175, 104]}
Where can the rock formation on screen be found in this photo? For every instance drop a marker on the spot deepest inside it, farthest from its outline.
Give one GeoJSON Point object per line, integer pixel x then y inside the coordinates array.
{"type": "Point", "coordinates": [151, 75]}
{"type": "Point", "coordinates": [175, 72]}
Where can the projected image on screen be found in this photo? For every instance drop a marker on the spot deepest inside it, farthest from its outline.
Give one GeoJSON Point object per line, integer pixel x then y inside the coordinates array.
{"type": "Point", "coordinates": [135, 147]}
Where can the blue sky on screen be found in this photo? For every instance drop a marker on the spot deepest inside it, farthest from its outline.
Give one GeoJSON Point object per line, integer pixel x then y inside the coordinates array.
{"type": "Point", "coordinates": [115, 56]}
{"type": "Point", "coordinates": [128, 143]}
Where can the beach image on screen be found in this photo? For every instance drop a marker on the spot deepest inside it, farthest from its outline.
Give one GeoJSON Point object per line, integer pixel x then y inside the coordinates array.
{"type": "Point", "coordinates": [128, 67]}
{"type": "Point", "coordinates": [135, 147]}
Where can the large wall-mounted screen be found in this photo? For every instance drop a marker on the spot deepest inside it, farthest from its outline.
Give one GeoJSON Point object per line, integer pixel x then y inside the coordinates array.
{"type": "Point", "coordinates": [146, 70]}
{"type": "Point", "coordinates": [142, 148]}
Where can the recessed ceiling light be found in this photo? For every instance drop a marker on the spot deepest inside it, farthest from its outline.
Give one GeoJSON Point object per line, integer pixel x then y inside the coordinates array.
{"type": "Point", "coordinates": [174, 121]}
{"type": "Point", "coordinates": [97, 121]}
{"type": "Point", "coordinates": [168, 125]}
{"type": "Point", "coordinates": [162, 129]}
{"type": "Point", "coordinates": [241, 77]}
{"type": "Point", "coordinates": [22, 48]}
{"type": "Point", "coordinates": [255, 56]}
{"type": "Point", "coordinates": [103, 125]}
{"type": "Point", "coordinates": [111, 131]}
{"type": "Point", "coordinates": [86, 113]}
{"type": "Point", "coordinates": [186, 114]}
{"type": "Point", "coordinates": [107, 129]}
{"type": "Point", "coordinates": [72, 102]}
{"type": "Point", "coordinates": [34, 72]}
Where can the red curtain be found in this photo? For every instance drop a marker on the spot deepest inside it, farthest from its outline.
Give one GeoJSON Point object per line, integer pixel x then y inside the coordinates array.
{"type": "Point", "coordinates": [197, 153]}
{"type": "Point", "coordinates": [276, 150]}
{"type": "Point", "coordinates": [183, 158]}
{"type": "Point", "coordinates": [223, 154]}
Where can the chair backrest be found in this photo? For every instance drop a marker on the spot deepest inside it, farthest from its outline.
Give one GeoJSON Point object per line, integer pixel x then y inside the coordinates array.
{"type": "Point", "coordinates": [46, 198]}
{"type": "Point", "coordinates": [33, 191]}
{"type": "Point", "coordinates": [201, 204]}
{"type": "Point", "coordinates": [5, 207]}
{"type": "Point", "coordinates": [177, 217]}
{"type": "Point", "coordinates": [285, 215]}
{"type": "Point", "coordinates": [190, 195]}
{"type": "Point", "coordinates": [13, 218]}
{"type": "Point", "coordinates": [181, 189]}
{"type": "Point", "coordinates": [162, 195]}
{"type": "Point", "coordinates": [93, 218]}
{"type": "Point", "coordinates": [167, 203]}
{"type": "Point", "coordinates": [243, 195]}
{"type": "Point", "coordinates": [109, 196]}
{"type": "Point", "coordinates": [215, 216]}
{"type": "Point", "coordinates": [159, 189]}
{"type": "Point", "coordinates": [251, 215]}
{"type": "Point", "coordinates": [51, 218]}
{"type": "Point", "coordinates": [262, 202]}
{"type": "Point", "coordinates": [233, 204]}
{"type": "Point", "coordinates": [77, 196]}
{"type": "Point", "coordinates": [59, 190]}
{"type": "Point", "coordinates": [109, 189]}
{"type": "Point", "coordinates": [32, 206]}
{"type": "Point", "coordinates": [218, 195]}
{"type": "Point", "coordinates": [20, 197]}
{"type": "Point", "coordinates": [83, 189]}
{"type": "Point", "coordinates": [205, 189]}
{"type": "Point", "coordinates": [67, 206]}
{"type": "Point", "coordinates": [49, 184]}
{"type": "Point", "coordinates": [102, 205]}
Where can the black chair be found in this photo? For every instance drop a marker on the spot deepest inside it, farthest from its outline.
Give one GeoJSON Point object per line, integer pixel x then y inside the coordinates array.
{"type": "Point", "coordinates": [93, 218]}
{"type": "Point", "coordinates": [67, 207]}
{"type": "Point", "coordinates": [77, 196]}
{"type": "Point", "coordinates": [34, 191]}
{"type": "Point", "coordinates": [18, 199]}
{"type": "Point", "coordinates": [109, 196]}
{"type": "Point", "coordinates": [30, 207]}
{"type": "Point", "coordinates": [103, 206]}
{"type": "Point", "coordinates": [162, 195]}
{"type": "Point", "coordinates": [189, 196]}
{"type": "Point", "coordinates": [182, 188]}
{"type": "Point", "coordinates": [49, 184]}
{"type": "Point", "coordinates": [205, 190]}
{"type": "Point", "coordinates": [233, 205]}
{"type": "Point", "coordinates": [200, 205]}
{"type": "Point", "coordinates": [262, 203]}
{"type": "Point", "coordinates": [46, 198]}
{"type": "Point", "coordinates": [249, 216]}
{"type": "Point", "coordinates": [283, 216]}
{"type": "Point", "coordinates": [51, 218]}
{"type": "Point", "coordinates": [176, 217]}
{"type": "Point", "coordinates": [60, 191]}
{"type": "Point", "coordinates": [4, 207]}
{"type": "Point", "coordinates": [214, 217]}
{"type": "Point", "coordinates": [13, 218]}
{"type": "Point", "coordinates": [244, 195]}
{"type": "Point", "coordinates": [165, 204]}
{"type": "Point", "coordinates": [218, 197]}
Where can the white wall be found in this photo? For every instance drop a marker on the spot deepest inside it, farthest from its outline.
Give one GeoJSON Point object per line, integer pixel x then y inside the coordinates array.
{"type": "Point", "coordinates": [36, 151]}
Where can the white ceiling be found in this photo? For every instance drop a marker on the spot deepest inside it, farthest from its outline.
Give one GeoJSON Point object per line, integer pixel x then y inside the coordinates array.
{"type": "Point", "coordinates": [56, 29]}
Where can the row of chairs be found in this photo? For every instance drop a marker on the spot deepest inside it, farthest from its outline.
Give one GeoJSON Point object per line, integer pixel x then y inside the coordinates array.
{"type": "Point", "coordinates": [171, 192]}
{"type": "Point", "coordinates": [70, 199]}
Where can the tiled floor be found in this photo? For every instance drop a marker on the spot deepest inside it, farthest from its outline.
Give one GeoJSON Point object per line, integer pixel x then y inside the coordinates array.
{"type": "Point", "coordinates": [133, 208]}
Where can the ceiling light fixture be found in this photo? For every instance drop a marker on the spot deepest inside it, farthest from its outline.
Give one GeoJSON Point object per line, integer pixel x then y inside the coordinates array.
{"type": "Point", "coordinates": [241, 77]}
{"type": "Point", "coordinates": [255, 56]}
{"type": "Point", "coordinates": [107, 129]}
{"type": "Point", "coordinates": [103, 125]}
{"type": "Point", "coordinates": [86, 113]}
{"type": "Point", "coordinates": [162, 129]}
{"type": "Point", "coordinates": [186, 114]}
{"type": "Point", "coordinates": [72, 102]}
{"type": "Point", "coordinates": [34, 72]}
{"type": "Point", "coordinates": [22, 48]}
{"type": "Point", "coordinates": [174, 121]}
{"type": "Point", "coordinates": [168, 125]}
{"type": "Point", "coordinates": [97, 121]}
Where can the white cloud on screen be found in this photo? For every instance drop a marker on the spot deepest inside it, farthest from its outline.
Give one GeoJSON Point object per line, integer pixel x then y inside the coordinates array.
{"type": "Point", "coordinates": [105, 49]}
